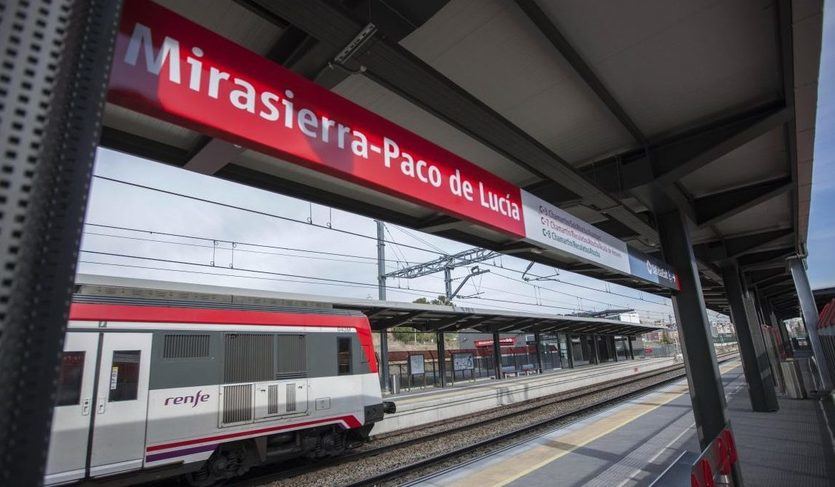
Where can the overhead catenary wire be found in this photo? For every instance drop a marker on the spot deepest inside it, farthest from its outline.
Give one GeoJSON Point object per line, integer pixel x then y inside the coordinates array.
{"type": "Point", "coordinates": [360, 235]}
{"type": "Point", "coordinates": [257, 212]}
{"type": "Point", "coordinates": [370, 260]}
{"type": "Point", "coordinates": [301, 278]}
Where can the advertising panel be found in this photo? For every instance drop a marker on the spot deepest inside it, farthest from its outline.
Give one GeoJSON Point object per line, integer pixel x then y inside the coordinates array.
{"type": "Point", "coordinates": [547, 225]}
{"type": "Point", "coordinates": [416, 366]}
{"type": "Point", "coordinates": [462, 361]}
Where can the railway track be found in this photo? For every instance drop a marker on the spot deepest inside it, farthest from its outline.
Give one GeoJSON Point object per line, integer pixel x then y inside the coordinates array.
{"type": "Point", "coordinates": [399, 455]}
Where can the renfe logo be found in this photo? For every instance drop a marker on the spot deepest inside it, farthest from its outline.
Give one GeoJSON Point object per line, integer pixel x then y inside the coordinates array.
{"type": "Point", "coordinates": [194, 400]}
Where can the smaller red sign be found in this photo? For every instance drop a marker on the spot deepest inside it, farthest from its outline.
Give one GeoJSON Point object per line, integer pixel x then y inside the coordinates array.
{"type": "Point", "coordinates": [489, 343]}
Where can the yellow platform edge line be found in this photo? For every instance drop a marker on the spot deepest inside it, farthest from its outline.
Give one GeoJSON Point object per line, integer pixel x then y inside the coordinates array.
{"type": "Point", "coordinates": [639, 412]}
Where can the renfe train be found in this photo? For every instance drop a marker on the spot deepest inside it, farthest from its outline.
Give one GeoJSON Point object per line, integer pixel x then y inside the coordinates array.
{"type": "Point", "coordinates": [151, 388]}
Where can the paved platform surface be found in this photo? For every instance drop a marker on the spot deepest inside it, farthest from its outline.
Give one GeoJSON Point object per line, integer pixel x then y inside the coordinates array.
{"type": "Point", "coordinates": [431, 405]}
{"type": "Point", "coordinates": [632, 443]}
{"type": "Point", "coordinates": [793, 446]}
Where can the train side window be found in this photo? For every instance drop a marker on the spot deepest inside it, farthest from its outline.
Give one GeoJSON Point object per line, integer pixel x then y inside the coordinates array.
{"type": "Point", "coordinates": [343, 355]}
{"type": "Point", "coordinates": [69, 380]}
{"type": "Point", "coordinates": [124, 375]}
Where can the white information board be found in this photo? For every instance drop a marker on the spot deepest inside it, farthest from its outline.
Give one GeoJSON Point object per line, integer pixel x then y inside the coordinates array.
{"type": "Point", "coordinates": [553, 227]}
{"type": "Point", "coordinates": [416, 365]}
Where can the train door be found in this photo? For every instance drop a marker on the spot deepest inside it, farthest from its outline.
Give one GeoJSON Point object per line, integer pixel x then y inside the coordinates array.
{"type": "Point", "coordinates": [121, 403]}
{"type": "Point", "coordinates": [103, 386]}
{"type": "Point", "coordinates": [67, 460]}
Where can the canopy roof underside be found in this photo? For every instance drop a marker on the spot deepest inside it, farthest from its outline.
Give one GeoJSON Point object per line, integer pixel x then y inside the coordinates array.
{"type": "Point", "coordinates": [614, 111]}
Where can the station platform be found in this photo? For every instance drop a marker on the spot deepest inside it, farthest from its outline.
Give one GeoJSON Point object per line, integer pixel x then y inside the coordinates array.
{"type": "Point", "coordinates": [631, 444]}
{"type": "Point", "coordinates": [417, 408]}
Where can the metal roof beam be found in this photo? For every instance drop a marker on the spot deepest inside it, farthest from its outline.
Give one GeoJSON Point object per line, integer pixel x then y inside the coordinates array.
{"type": "Point", "coordinates": [443, 324]}
{"type": "Point", "coordinates": [758, 276]}
{"type": "Point", "coordinates": [717, 207]}
{"type": "Point", "coordinates": [468, 324]}
{"type": "Point", "coordinates": [394, 67]}
{"type": "Point", "coordinates": [667, 161]}
{"type": "Point", "coordinates": [142, 147]}
{"type": "Point", "coordinates": [397, 321]}
{"type": "Point", "coordinates": [555, 37]}
{"type": "Point", "coordinates": [733, 247]}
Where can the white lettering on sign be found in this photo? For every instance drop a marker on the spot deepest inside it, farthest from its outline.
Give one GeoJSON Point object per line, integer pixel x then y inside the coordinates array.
{"type": "Point", "coordinates": [557, 229]}
{"type": "Point", "coordinates": [281, 108]}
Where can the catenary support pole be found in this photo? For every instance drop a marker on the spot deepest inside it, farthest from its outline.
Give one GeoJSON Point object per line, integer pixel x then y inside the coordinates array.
{"type": "Point", "coordinates": [439, 337]}
{"type": "Point", "coordinates": [706, 390]}
{"type": "Point", "coordinates": [56, 62]}
{"type": "Point", "coordinates": [381, 288]}
{"type": "Point", "coordinates": [810, 318]}
{"type": "Point", "coordinates": [538, 345]}
{"type": "Point", "coordinates": [497, 354]}
{"type": "Point", "coordinates": [569, 351]}
{"type": "Point", "coordinates": [751, 347]}
{"type": "Point", "coordinates": [448, 283]}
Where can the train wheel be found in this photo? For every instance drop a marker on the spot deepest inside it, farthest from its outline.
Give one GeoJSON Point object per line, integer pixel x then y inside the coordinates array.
{"type": "Point", "coordinates": [227, 462]}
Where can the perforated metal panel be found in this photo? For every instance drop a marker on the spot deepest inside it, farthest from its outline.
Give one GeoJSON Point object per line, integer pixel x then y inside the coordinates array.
{"type": "Point", "coordinates": [292, 356]}
{"type": "Point", "coordinates": [291, 397]}
{"type": "Point", "coordinates": [185, 346]}
{"type": "Point", "coordinates": [55, 58]}
{"type": "Point", "coordinates": [272, 399]}
{"type": "Point", "coordinates": [237, 404]}
{"type": "Point", "coordinates": [248, 357]}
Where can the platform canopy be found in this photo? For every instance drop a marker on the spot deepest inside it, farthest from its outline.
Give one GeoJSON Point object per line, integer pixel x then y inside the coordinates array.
{"type": "Point", "coordinates": [611, 111]}
{"type": "Point", "coordinates": [381, 314]}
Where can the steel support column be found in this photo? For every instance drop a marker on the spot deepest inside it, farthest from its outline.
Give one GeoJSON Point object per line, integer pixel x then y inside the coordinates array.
{"type": "Point", "coordinates": [381, 285]}
{"type": "Point", "coordinates": [569, 351]}
{"type": "Point", "coordinates": [56, 62]}
{"type": "Point", "coordinates": [538, 344]}
{"type": "Point", "coordinates": [706, 392]}
{"type": "Point", "coordinates": [810, 318]}
{"type": "Point", "coordinates": [439, 337]}
{"type": "Point", "coordinates": [751, 347]}
{"type": "Point", "coordinates": [631, 352]}
{"type": "Point", "coordinates": [497, 355]}
{"type": "Point", "coordinates": [614, 349]}
{"type": "Point", "coordinates": [595, 349]}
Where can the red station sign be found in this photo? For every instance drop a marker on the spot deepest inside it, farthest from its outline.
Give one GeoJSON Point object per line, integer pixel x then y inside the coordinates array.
{"type": "Point", "coordinates": [170, 68]}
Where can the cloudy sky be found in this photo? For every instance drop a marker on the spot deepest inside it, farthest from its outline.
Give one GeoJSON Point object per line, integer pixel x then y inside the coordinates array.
{"type": "Point", "coordinates": [184, 239]}
{"type": "Point", "coordinates": [822, 218]}
{"type": "Point", "coordinates": [286, 244]}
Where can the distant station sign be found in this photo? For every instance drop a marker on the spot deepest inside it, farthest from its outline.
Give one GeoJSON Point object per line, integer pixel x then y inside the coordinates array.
{"type": "Point", "coordinates": [503, 342]}
{"type": "Point", "coordinates": [170, 68]}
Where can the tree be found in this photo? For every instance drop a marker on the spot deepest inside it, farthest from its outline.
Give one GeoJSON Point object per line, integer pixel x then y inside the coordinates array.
{"type": "Point", "coordinates": [441, 299]}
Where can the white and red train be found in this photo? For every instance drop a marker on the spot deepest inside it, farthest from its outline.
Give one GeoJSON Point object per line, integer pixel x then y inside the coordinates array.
{"type": "Point", "coordinates": [151, 388]}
